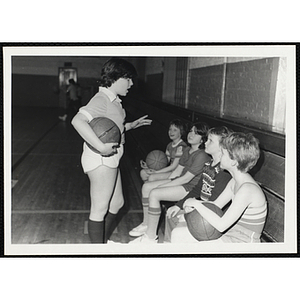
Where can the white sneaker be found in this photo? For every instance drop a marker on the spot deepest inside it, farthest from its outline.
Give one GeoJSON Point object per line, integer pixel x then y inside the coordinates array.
{"type": "Point", "coordinates": [145, 240]}
{"type": "Point", "coordinates": [139, 230]}
{"type": "Point", "coordinates": [112, 242]}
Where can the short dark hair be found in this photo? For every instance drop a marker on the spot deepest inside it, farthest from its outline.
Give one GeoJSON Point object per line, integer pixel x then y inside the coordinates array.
{"type": "Point", "coordinates": [242, 147]}
{"type": "Point", "coordinates": [114, 69]}
{"type": "Point", "coordinates": [201, 129]}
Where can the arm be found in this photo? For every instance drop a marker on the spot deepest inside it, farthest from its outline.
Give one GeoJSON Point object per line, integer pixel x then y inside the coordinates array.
{"type": "Point", "coordinates": [137, 123]}
{"type": "Point", "coordinates": [234, 212]}
{"type": "Point", "coordinates": [177, 172]}
{"type": "Point", "coordinates": [187, 177]}
{"type": "Point", "coordinates": [169, 168]}
{"type": "Point", "coordinates": [80, 123]}
{"type": "Point", "coordinates": [175, 162]}
{"type": "Point", "coordinates": [194, 193]}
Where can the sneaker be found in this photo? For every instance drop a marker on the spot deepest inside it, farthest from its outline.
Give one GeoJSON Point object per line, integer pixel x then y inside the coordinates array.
{"type": "Point", "coordinates": [139, 230]}
{"type": "Point", "coordinates": [112, 242]}
{"type": "Point", "coordinates": [145, 240]}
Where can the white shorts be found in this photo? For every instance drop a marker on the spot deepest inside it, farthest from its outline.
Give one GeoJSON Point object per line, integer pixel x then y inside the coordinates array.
{"type": "Point", "coordinates": [91, 160]}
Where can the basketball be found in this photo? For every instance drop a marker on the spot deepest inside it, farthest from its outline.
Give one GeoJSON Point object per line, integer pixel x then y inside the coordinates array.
{"type": "Point", "coordinates": [156, 160]}
{"type": "Point", "coordinates": [200, 229]}
{"type": "Point", "coordinates": [106, 130]}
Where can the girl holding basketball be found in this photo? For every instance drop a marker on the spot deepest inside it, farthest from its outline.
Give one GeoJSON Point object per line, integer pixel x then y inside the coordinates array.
{"type": "Point", "coordinates": [102, 168]}
{"type": "Point", "coordinates": [179, 184]}
{"type": "Point", "coordinates": [211, 184]}
{"type": "Point", "coordinates": [244, 220]}
{"type": "Point", "coordinates": [173, 151]}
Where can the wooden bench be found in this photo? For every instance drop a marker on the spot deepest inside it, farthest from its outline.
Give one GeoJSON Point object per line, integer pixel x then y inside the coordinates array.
{"type": "Point", "coordinates": [269, 171]}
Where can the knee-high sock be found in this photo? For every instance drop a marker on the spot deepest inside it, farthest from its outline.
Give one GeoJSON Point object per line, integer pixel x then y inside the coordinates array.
{"type": "Point", "coordinates": [96, 231]}
{"type": "Point", "coordinates": [145, 203]}
{"type": "Point", "coordinates": [153, 219]}
{"type": "Point", "coordinates": [110, 225]}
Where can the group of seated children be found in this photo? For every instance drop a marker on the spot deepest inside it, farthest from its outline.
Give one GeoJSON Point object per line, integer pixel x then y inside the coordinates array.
{"type": "Point", "coordinates": [212, 167]}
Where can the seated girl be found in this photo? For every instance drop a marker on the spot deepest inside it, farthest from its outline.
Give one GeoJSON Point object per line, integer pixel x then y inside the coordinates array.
{"type": "Point", "coordinates": [173, 151]}
{"type": "Point", "coordinates": [211, 184]}
{"type": "Point", "coordinates": [181, 181]}
{"type": "Point", "coordinates": [244, 219]}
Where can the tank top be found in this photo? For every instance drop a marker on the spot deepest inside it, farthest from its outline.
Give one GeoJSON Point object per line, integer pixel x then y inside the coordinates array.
{"type": "Point", "coordinates": [254, 218]}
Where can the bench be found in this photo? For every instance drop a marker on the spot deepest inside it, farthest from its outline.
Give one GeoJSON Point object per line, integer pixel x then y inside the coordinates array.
{"type": "Point", "coordinates": [269, 171]}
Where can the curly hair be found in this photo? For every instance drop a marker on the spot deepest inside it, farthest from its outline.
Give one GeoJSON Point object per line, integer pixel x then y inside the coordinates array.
{"type": "Point", "coordinates": [242, 147]}
{"type": "Point", "coordinates": [114, 69]}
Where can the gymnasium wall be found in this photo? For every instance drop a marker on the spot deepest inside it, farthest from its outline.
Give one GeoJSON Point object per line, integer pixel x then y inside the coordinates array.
{"type": "Point", "coordinates": [205, 89]}
{"type": "Point", "coordinates": [153, 77]}
{"type": "Point", "coordinates": [43, 90]}
{"type": "Point", "coordinates": [35, 78]}
{"type": "Point", "coordinates": [34, 90]}
{"type": "Point", "coordinates": [248, 90]}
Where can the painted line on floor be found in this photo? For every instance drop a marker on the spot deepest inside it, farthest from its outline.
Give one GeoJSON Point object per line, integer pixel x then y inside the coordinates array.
{"type": "Point", "coordinates": [33, 146]}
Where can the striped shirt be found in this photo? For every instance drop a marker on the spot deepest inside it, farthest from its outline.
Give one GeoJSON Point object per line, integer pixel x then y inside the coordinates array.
{"type": "Point", "coordinates": [254, 218]}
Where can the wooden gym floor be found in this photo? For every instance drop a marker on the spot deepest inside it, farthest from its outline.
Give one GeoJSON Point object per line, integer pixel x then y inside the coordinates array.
{"type": "Point", "coordinates": [50, 193]}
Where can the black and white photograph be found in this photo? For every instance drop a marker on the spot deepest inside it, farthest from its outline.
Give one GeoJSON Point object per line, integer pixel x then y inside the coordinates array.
{"type": "Point", "coordinates": [115, 150]}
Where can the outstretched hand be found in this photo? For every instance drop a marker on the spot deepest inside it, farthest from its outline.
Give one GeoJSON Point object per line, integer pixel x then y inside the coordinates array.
{"type": "Point", "coordinates": [140, 122]}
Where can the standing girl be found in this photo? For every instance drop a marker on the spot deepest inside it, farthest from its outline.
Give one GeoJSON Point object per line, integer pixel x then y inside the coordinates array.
{"type": "Point", "coordinates": [102, 169]}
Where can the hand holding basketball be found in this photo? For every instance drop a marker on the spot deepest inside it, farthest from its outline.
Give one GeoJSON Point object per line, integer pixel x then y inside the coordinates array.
{"type": "Point", "coordinates": [109, 149]}
{"type": "Point", "coordinates": [143, 164]}
{"type": "Point", "coordinates": [156, 160]}
{"type": "Point", "coordinates": [190, 204]}
{"type": "Point", "coordinates": [197, 225]}
{"type": "Point", "coordinates": [150, 171]}
{"type": "Point", "coordinates": [140, 122]}
{"type": "Point", "coordinates": [108, 133]}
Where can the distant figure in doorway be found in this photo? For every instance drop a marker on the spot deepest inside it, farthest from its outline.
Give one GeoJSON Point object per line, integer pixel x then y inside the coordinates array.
{"type": "Point", "coordinates": [74, 101]}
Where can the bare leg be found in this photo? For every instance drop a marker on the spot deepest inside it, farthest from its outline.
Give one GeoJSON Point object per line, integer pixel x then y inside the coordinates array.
{"type": "Point", "coordinates": [102, 184]}
{"type": "Point", "coordinates": [173, 193]}
{"type": "Point", "coordinates": [159, 176]}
